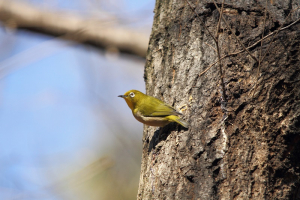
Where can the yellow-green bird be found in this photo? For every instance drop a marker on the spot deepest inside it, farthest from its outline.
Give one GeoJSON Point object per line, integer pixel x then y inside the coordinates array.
{"type": "Point", "coordinates": [150, 110]}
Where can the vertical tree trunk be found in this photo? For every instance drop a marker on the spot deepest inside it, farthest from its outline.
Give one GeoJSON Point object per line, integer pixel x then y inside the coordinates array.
{"type": "Point", "coordinates": [244, 112]}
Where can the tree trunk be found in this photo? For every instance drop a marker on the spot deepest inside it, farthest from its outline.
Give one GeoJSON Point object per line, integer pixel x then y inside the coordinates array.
{"type": "Point", "coordinates": [243, 141]}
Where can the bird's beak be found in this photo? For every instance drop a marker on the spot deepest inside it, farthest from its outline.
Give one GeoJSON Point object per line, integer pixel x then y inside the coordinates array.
{"type": "Point", "coordinates": [122, 96]}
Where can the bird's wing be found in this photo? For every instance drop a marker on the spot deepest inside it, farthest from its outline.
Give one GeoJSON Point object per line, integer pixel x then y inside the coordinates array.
{"type": "Point", "coordinates": [155, 108]}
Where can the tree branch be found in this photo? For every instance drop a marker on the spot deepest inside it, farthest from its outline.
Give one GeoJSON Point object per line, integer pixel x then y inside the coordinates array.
{"type": "Point", "coordinates": [19, 15]}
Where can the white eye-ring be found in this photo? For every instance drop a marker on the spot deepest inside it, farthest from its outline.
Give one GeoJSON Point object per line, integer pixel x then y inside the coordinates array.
{"type": "Point", "coordinates": [131, 94]}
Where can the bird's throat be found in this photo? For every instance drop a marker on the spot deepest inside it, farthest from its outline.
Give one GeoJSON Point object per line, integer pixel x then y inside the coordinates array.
{"type": "Point", "coordinates": [130, 104]}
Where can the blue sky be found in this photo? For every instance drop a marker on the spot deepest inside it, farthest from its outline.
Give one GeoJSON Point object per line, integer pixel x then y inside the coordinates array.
{"type": "Point", "coordinates": [57, 100]}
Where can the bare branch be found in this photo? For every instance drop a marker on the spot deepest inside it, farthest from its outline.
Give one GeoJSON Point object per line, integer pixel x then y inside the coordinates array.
{"type": "Point", "coordinates": [18, 15]}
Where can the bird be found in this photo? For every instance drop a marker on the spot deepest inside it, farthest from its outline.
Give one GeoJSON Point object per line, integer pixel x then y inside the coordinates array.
{"type": "Point", "coordinates": [150, 110]}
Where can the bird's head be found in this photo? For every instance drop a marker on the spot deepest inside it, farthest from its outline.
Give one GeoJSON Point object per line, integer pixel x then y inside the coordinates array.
{"type": "Point", "coordinates": [132, 98]}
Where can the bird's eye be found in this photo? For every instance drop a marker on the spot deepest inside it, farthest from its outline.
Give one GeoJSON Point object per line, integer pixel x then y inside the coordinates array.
{"type": "Point", "coordinates": [131, 94]}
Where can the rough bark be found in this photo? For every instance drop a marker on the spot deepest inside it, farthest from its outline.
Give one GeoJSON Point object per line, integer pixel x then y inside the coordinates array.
{"type": "Point", "coordinates": [246, 146]}
{"type": "Point", "coordinates": [19, 15]}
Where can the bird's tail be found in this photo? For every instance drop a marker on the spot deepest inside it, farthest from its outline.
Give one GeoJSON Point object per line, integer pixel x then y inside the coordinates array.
{"type": "Point", "coordinates": [178, 120]}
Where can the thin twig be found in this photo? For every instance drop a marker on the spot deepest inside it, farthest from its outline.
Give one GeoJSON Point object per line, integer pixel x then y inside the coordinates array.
{"type": "Point", "coordinates": [208, 68]}
{"type": "Point", "coordinates": [219, 55]}
{"type": "Point", "coordinates": [211, 47]}
{"type": "Point", "coordinates": [219, 22]}
{"type": "Point", "coordinates": [289, 25]}
{"type": "Point", "coordinates": [216, 41]}
{"type": "Point", "coordinates": [270, 34]}
{"type": "Point", "coordinates": [253, 45]}
{"type": "Point", "coordinates": [276, 33]}
{"type": "Point", "coordinates": [261, 43]}
{"type": "Point", "coordinates": [237, 39]}
{"type": "Point", "coordinates": [261, 46]}
{"type": "Point", "coordinates": [201, 21]}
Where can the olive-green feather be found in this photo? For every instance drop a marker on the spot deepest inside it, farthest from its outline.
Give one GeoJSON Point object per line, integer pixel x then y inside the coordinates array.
{"type": "Point", "coordinates": [161, 109]}
{"type": "Point", "coordinates": [173, 118]}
